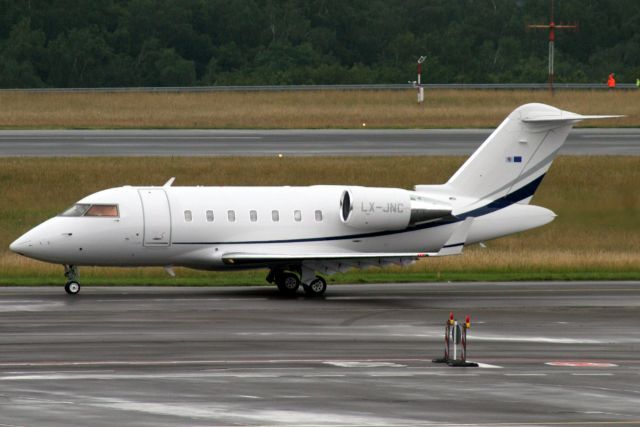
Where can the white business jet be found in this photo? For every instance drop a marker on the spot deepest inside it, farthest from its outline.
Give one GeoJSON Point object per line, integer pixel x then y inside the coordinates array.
{"type": "Point", "coordinates": [302, 233]}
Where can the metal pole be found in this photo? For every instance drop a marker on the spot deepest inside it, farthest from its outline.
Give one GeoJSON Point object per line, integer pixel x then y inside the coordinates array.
{"type": "Point", "coordinates": [455, 340]}
{"type": "Point", "coordinates": [419, 86]}
{"type": "Point", "coordinates": [463, 353]}
{"type": "Point", "coordinates": [447, 342]}
{"type": "Point", "coordinates": [551, 72]}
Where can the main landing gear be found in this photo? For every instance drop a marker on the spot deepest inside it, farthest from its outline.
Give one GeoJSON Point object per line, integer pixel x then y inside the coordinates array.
{"type": "Point", "coordinates": [72, 287]}
{"type": "Point", "coordinates": [288, 283]}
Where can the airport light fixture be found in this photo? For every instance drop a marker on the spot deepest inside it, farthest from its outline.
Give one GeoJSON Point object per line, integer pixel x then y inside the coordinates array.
{"type": "Point", "coordinates": [418, 84]}
{"type": "Point", "coordinates": [552, 26]}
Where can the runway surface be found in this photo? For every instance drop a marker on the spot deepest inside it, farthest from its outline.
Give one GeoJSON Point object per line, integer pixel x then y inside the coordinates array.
{"type": "Point", "coordinates": [360, 356]}
{"type": "Point", "coordinates": [65, 143]}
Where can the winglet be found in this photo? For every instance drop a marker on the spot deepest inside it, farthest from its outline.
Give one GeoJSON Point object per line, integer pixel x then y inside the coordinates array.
{"type": "Point", "coordinates": [456, 241]}
{"type": "Point", "coordinates": [168, 183]}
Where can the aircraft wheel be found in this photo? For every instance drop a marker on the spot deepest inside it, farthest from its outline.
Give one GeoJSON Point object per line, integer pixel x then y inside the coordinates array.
{"type": "Point", "coordinates": [72, 287]}
{"type": "Point", "coordinates": [288, 283]}
{"type": "Point", "coordinates": [317, 287]}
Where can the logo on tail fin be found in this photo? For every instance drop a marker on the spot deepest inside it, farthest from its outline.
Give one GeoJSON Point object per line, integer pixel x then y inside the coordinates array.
{"type": "Point", "coordinates": [514, 159]}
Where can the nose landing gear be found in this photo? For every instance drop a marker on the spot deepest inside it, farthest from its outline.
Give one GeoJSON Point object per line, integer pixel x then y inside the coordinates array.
{"type": "Point", "coordinates": [72, 287]}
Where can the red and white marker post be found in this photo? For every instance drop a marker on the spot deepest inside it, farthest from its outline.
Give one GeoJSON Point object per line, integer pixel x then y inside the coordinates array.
{"type": "Point", "coordinates": [419, 85]}
{"type": "Point", "coordinates": [456, 333]}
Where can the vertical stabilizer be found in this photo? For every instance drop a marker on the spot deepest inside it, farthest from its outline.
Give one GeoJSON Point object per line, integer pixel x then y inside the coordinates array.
{"type": "Point", "coordinates": [516, 155]}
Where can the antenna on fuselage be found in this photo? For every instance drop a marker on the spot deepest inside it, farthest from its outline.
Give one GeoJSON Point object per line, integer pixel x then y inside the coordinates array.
{"type": "Point", "coordinates": [168, 183]}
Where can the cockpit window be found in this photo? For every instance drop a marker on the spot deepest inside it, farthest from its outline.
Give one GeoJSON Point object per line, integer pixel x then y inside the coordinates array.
{"type": "Point", "coordinates": [76, 210]}
{"type": "Point", "coordinates": [85, 209]}
{"type": "Point", "coordinates": [102, 210]}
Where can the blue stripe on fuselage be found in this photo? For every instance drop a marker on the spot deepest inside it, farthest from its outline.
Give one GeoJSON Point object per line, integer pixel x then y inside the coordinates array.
{"type": "Point", "coordinates": [501, 203]}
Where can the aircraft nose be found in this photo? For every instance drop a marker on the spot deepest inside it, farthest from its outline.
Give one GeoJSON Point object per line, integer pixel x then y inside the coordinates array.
{"type": "Point", "coordinates": [33, 244]}
{"type": "Point", "coordinates": [20, 245]}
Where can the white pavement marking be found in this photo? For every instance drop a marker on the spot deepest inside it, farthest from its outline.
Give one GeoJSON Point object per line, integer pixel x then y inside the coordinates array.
{"type": "Point", "coordinates": [488, 366]}
{"type": "Point", "coordinates": [324, 376]}
{"type": "Point", "coordinates": [232, 413]}
{"type": "Point", "coordinates": [435, 332]}
{"type": "Point", "coordinates": [74, 377]}
{"type": "Point", "coordinates": [593, 375]}
{"type": "Point", "coordinates": [9, 306]}
{"type": "Point", "coordinates": [183, 138]}
{"type": "Point", "coordinates": [550, 340]}
{"type": "Point", "coordinates": [581, 364]}
{"type": "Point", "coordinates": [353, 364]}
{"type": "Point", "coordinates": [525, 375]}
{"type": "Point", "coordinates": [118, 363]}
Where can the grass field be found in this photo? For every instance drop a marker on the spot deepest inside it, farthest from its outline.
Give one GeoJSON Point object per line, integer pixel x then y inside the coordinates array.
{"type": "Point", "coordinates": [298, 110]}
{"type": "Point", "coordinates": [596, 234]}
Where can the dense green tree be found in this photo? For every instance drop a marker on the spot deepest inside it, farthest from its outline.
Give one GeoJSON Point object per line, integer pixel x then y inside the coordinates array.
{"type": "Point", "coordinates": [73, 43]}
{"type": "Point", "coordinates": [22, 56]}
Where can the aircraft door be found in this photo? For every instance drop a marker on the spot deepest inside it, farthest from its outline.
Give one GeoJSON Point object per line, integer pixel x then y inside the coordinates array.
{"type": "Point", "coordinates": [157, 217]}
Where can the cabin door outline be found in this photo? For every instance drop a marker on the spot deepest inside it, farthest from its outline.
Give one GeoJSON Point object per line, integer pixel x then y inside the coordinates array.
{"type": "Point", "coordinates": [156, 215]}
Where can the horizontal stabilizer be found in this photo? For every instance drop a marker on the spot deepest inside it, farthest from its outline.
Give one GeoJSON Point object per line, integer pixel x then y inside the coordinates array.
{"type": "Point", "coordinates": [564, 117]}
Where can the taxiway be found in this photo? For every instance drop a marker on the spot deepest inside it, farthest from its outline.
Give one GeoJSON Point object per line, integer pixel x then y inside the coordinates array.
{"type": "Point", "coordinates": [553, 353]}
{"type": "Point", "coordinates": [64, 143]}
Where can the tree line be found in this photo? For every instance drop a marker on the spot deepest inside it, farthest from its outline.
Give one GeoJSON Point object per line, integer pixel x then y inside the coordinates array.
{"type": "Point", "coordinates": [110, 43]}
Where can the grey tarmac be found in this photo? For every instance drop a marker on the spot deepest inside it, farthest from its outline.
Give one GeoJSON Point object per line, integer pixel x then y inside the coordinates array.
{"type": "Point", "coordinates": [361, 355]}
{"type": "Point", "coordinates": [64, 143]}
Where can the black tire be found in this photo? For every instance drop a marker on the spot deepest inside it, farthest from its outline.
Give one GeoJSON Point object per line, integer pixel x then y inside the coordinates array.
{"type": "Point", "coordinates": [72, 287]}
{"type": "Point", "coordinates": [288, 283]}
{"type": "Point", "coordinates": [316, 288]}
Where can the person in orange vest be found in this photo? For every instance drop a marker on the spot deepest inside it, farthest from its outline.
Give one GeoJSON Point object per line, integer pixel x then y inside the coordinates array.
{"type": "Point", "coordinates": [611, 83]}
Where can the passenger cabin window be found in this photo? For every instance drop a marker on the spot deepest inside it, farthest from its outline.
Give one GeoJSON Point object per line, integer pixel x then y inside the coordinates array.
{"type": "Point", "coordinates": [209, 216]}
{"type": "Point", "coordinates": [297, 215]}
{"type": "Point", "coordinates": [275, 216]}
{"type": "Point", "coordinates": [231, 215]}
{"type": "Point", "coordinates": [86, 209]}
{"type": "Point", "coordinates": [253, 216]}
{"type": "Point", "coordinates": [319, 215]}
{"type": "Point", "coordinates": [187, 216]}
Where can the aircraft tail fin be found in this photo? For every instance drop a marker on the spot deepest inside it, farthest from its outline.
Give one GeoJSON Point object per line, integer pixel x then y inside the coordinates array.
{"type": "Point", "coordinates": [516, 156]}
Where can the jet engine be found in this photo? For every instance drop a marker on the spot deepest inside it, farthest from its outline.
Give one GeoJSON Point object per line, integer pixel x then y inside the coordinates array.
{"type": "Point", "coordinates": [387, 208]}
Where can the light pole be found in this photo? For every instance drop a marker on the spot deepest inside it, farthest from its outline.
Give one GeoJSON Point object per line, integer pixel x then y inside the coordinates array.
{"type": "Point", "coordinates": [418, 84]}
{"type": "Point", "coordinates": [552, 38]}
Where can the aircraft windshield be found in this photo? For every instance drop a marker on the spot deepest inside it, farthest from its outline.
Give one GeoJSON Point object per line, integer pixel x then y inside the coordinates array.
{"type": "Point", "coordinates": [76, 210]}
{"type": "Point", "coordinates": [85, 209]}
{"type": "Point", "coordinates": [102, 210]}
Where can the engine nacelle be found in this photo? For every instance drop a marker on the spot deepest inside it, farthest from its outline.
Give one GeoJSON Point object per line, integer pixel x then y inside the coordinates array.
{"type": "Point", "coordinates": [388, 208]}
{"type": "Point", "coordinates": [375, 208]}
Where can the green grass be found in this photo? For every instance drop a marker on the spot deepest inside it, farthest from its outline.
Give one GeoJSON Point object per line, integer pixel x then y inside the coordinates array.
{"type": "Point", "coordinates": [299, 110]}
{"type": "Point", "coordinates": [356, 277]}
{"type": "Point", "coordinates": [595, 236]}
